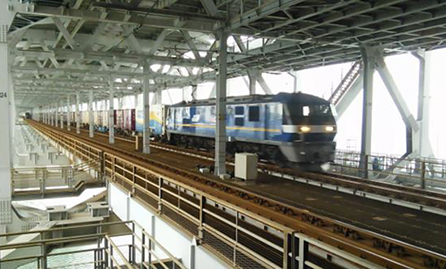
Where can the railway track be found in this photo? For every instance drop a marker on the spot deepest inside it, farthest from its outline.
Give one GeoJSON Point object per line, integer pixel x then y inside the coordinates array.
{"type": "Point", "coordinates": [367, 245]}
{"type": "Point", "coordinates": [420, 199]}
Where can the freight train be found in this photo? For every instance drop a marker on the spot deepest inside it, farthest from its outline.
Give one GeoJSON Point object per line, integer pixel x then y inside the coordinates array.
{"type": "Point", "coordinates": [283, 128]}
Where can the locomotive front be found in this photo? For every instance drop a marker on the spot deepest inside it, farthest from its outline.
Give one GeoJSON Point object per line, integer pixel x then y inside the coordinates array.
{"type": "Point", "coordinates": [309, 127]}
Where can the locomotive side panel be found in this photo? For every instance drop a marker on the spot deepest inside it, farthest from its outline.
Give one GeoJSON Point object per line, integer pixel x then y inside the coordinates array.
{"type": "Point", "coordinates": [156, 119]}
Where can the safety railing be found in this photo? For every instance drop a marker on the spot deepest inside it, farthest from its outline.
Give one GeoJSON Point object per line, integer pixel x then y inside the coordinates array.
{"type": "Point", "coordinates": [107, 253]}
{"type": "Point", "coordinates": [233, 225]}
{"type": "Point", "coordinates": [43, 179]}
{"type": "Point", "coordinates": [235, 234]}
{"type": "Point", "coordinates": [419, 172]}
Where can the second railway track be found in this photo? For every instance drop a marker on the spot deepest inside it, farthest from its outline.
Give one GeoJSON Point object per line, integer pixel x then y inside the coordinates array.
{"type": "Point", "coordinates": [424, 198]}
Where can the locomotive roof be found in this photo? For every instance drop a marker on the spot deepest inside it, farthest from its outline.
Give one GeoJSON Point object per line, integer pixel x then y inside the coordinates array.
{"type": "Point", "coordinates": [290, 98]}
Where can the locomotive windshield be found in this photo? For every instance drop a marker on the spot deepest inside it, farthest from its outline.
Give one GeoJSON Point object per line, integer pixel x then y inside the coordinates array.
{"type": "Point", "coordinates": [292, 113]}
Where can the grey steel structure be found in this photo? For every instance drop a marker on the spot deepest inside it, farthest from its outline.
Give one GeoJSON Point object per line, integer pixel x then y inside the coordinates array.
{"type": "Point", "coordinates": [62, 47]}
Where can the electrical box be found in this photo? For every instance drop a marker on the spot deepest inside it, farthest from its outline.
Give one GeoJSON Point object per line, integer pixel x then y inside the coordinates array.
{"type": "Point", "coordinates": [246, 166]}
{"type": "Point", "coordinates": [98, 209]}
{"type": "Point", "coordinates": [57, 213]}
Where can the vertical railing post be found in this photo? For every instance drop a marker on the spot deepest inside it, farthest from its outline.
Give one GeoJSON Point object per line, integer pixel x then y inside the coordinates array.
{"type": "Point", "coordinates": [133, 252]}
{"type": "Point", "coordinates": [143, 249]}
{"type": "Point", "coordinates": [111, 255]}
{"type": "Point", "coordinates": [106, 258]}
{"type": "Point", "coordinates": [160, 194]}
{"type": "Point", "coordinates": [286, 236]}
{"type": "Point", "coordinates": [423, 175]}
{"type": "Point", "coordinates": [102, 162]}
{"type": "Point", "coordinates": [303, 251]}
{"type": "Point", "coordinates": [43, 261]}
{"type": "Point", "coordinates": [201, 217]}
{"type": "Point", "coordinates": [150, 251]}
{"type": "Point", "coordinates": [134, 179]}
{"type": "Point", "coordinates": [366, 166]}
{"type": "Point", "coordinates": [294, 245]}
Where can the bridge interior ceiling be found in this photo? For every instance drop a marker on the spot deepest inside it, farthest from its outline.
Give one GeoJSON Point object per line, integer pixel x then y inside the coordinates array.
{"type": "Point", "coordinates": [61, 46]}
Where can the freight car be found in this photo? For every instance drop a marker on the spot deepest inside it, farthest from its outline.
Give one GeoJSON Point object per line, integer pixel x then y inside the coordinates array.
{"type": "Point", "coordinates": [296, 128]}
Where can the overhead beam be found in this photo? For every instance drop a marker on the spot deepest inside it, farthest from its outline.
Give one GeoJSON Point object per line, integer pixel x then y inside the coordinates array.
{"type": "Point", "coordinates": [191, 45]}
{"type": "Point", "coordinates": [117, 16]}
{"type": "Point", "coordinates": [73, 44]}
{"type": "Point", "coordinates": [262, 11]}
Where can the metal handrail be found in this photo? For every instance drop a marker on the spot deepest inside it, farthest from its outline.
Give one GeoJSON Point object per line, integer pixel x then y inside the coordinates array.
{"type": "Point", "coordinates": [113, 245]}
{"type": "Point", "coordinates": [152, 239]}
{"type": "Point", "coordinates": [97, 236]}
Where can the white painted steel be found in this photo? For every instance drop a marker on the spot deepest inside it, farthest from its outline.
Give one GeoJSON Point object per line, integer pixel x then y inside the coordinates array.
{"type": "Point", "coordinates": [220, 132]}
{"type": "Point", "coordinates": [90, 113]}
{"type": "Point", "coordinates": [111, 115]}
{"type": "Point", "coordinates": [146, 105]}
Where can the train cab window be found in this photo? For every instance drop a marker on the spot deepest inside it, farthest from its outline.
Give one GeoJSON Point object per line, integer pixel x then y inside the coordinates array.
{"type": "Point", "coordinates": [239, 121]}
{"type": "Point", "coordinates": [239, 110]}
{"type": "Point", "coordinates": [306, 110]}
{"type": "Point", "coordinates": [254, 113]}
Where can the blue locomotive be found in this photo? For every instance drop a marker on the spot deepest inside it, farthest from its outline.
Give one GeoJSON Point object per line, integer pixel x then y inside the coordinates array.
{"type": "Point", "coordinates": [297, 128]}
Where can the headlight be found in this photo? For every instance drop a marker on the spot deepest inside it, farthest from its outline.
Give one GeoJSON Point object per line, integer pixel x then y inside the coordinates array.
{"type": "Point", "coordinates": [329, 128]}
{"type": "Point", "coordinates": [305, 129]}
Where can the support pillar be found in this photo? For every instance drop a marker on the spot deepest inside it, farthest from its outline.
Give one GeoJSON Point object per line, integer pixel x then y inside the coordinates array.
{"type": "Point", "coordinates": [111, 114]}
{"type": "Point", "coordinates": [78, 113]}
{"type": "Point", "coordinates": [220, 131]}
{"type": "Point", "coordinates": [68, 113]}
{"type": "Point", "coordinates": [90, 113]}
{"type": "Point", "coordinates": [136, 100]}
{"type": "Point", "coordinates": [61, 115]}
{"type": "Point", "coordinates": [56, 110]}
{"type": "Point", "coordinates": [6, 122]}
{"type": "Point", "coordinates": [421, 142]}
{"type": "Point", "coordinates": [252, 77]}
{"type": "Point", "coordinates": [295, 82]}
{"type": "Point", "coordinates": [146, 105]}
{"type": "Point", "coordinates": [366, 134]}
{"type": "Point", "coordinates": [50, 115]}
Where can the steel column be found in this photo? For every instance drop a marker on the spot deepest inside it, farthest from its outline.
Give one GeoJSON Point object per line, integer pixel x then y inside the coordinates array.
{"type": "Point", "coordinates": [56, 111]}
{"type": "Point", "coordinates": [61, 114]}
{"type": "Point", "coordinates": [366, 134]}
{"type": "Point", "coordinates": [136, 100]}
{"type": "Point", "coordinates": [78, 113]}
{"type": "Point", "coordinates": [295, 81]}
{"type": "Point", "coordinates": [146, 105]}
{"type": "Point", "coordinates": [50, 114]}
{"type": "Point", "coordinates": [220, 132]}
{"type": "Point", "coordinates": [111, 114]}
{"type": "Point", "coordinates": [423, 144]}
{"type": "Point", "coordinates": [6, 122]}
{"type": "Point", "coordinates": [68, 113]}
{"type": "Point", "coordinates": [90, 113]}
{"type": "Point", "coordinates": [252, 76]}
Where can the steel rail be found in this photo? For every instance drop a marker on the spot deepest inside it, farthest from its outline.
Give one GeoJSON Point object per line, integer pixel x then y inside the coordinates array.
{"type": "Point", "coordinates": [368, 245]}
{"type": "Point", "coordinates": [409, 194]}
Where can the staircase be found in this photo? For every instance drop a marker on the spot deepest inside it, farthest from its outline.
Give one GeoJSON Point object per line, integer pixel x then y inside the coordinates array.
{"type": "Point", "coordinates": [346, 83]}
